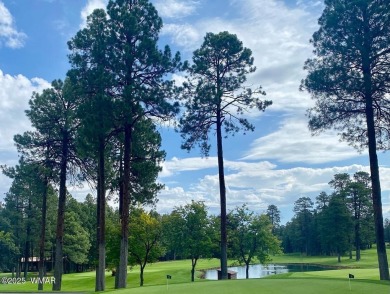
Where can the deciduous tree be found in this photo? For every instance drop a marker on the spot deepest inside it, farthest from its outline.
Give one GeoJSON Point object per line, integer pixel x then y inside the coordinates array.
{"type": "Point", "coordinates": [144, 240]}
{"type": "Point", "coordinates": [196, 231]}
{"type": "Point", "coordinates": [251, 237]}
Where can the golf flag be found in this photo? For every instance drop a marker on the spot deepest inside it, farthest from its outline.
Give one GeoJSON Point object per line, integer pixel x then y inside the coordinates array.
{"type": "Point", "coordinates": [350, 276]}
{"type": "Point", "coordinates": [168, 278]}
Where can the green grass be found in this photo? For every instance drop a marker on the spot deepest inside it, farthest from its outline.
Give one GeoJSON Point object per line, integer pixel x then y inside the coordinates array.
{"type": "Point", "coordinates": [291, 286]}
{"type": "Point", "coordinates": [369, 259]}
{"type": "Point", "coordinates": [332, 281]}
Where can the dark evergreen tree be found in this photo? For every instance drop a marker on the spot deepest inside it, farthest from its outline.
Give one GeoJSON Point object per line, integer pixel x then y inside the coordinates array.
{"type": "Point", "coordinates": [91, 75]}
{"type": "Point", "coordinates": [350, 84]}
{"type": "Point", "coordinates": [335, 227]}
{"type": "Point", "coordinates": [387, 230]}
{"type": "Point", "coordinates": [322, 201]}
{"type": "Point", "coordinates": [274, 215]}
{"type": "Point", "coordinates": [52, 114]}
{"type": "Point", "coordinates": [303, 209]}
{"type": "Point", "coordinates": [360, 205]}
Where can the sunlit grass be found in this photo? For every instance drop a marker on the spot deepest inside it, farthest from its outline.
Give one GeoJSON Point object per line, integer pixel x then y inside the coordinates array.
{"type": "Point", "coordinates": [331, 281]}
{"type": "Point", "coordinates": [269, 286]}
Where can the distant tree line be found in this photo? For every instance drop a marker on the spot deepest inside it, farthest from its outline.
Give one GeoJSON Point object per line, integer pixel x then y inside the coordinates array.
{"type": "Point", "coordinates": [337, 223]}
{"type": "Point", "coordinates": [188, 232]}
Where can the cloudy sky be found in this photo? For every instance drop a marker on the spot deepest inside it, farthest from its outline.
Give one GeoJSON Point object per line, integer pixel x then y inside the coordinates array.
{"type": "Point", "coordinates": [276, 164]}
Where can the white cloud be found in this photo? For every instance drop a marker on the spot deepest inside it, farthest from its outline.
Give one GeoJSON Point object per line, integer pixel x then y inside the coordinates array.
{"type": "Point", "coordinates": [176, 8]}
{"type": "Point", "coordinates": [258, 184]}
{"type": "Point", "coordinates": [172, 197]}
{"type": "Point", "coordinates": [311, 4]}
{"type": "Point", "coordinates": [166, 8]}
{"type": "Point", "coordinates": [9, 35]}
{"type": "Point", "coordinates": [185, 35]}
{"type": "Point", "coordinates": [89, 8]}
{"type": "Point", "coordinates": [293, 142]}
{"type": "Point", "coordinates": [15, 92]}
{"type": "Point", "coordinates": [176, 165]}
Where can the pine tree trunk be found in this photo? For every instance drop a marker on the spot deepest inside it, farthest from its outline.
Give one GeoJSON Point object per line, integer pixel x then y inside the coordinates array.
{"type": "Point", "coordinates": [28, 236]}
{"type": "Point", "coordinates": [372, 151]}
{"type": "Point", "coordinates": [222, 193]}
{"type": "Point", "coordinates": [26, 257]}
{"type": "Point", "coordinates": [18, 267]}
{"type": "Point", "coordinates": [101, 217]}
{"type": "Point", "coordinates": [125, 206]}
{"type": "Point", "coordinates": [116, 276]}
{"type": "Point", "coordinates": [58, 265]}
{"type": "Point", "coordinates": [357, 240]}
{"type": "Point", "coordinates": [377, 201]}
{"type": "Point", "coordinates": [41, 263]}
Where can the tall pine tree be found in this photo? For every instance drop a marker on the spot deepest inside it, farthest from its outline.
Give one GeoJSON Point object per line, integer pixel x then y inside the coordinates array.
{"type": "Point", "coordinates": [349, 82]}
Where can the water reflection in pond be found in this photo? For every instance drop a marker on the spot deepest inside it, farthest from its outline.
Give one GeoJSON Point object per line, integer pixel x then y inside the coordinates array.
{"type": "Point", "coordinates": [260, 271]}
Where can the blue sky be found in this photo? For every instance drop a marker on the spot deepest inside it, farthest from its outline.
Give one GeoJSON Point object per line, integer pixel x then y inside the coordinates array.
{"type": "Point", "coordinates": [276, 164]}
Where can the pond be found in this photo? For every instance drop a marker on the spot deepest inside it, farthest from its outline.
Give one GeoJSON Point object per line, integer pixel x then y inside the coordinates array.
{"type": "Point", "coordinates": [260, 271]}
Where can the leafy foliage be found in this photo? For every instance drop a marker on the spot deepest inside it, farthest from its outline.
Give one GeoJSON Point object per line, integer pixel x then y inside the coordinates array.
{"type": "Point", "coordinates": [251, 237]}
{"type": "Point", "coordinates": [190, 233]}
{"type": "Point", "coordinates": [144, 240]}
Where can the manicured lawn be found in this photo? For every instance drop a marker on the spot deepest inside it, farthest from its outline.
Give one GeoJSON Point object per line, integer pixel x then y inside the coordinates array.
{"type": "Point", "coordinates": [368, 259]}
{"type": "Point", "coordinates": [333, 281]}
{"type": "Point", "coordinates": [269, 286]}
